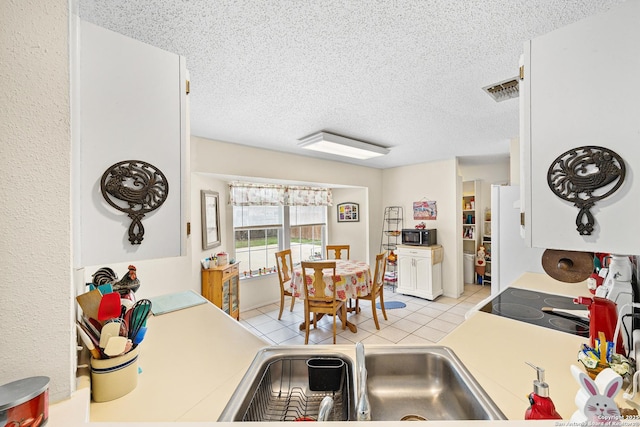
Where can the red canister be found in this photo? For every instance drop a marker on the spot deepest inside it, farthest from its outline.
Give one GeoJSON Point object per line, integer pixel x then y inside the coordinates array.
{"type": "Point", "coordinates": [25, 402]}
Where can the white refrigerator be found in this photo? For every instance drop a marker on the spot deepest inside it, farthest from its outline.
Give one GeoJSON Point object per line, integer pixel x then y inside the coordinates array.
{"type": "Point", "coordinates": [510, 257]}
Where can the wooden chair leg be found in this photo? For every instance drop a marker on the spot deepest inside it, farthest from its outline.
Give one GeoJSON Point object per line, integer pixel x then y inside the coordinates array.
{"type": "Point", "coordinates": [384, 312]}
{"type": "Point", "coordinates": [281, 305]}
{"type": "Point", "coordinates": [334, 328]}
{"type": "Point", "coordinates": [375, 312]}
{"type": "Point", "coordinates": [344, 317]}
{"type": "Point", "coordinates": [306, 326]}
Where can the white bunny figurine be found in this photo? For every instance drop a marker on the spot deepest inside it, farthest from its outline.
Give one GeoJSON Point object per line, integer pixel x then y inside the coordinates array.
{"type": "Point", "coordinates": [595, 408]}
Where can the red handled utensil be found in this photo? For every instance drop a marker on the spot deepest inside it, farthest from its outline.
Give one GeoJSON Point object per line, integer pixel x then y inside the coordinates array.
{"type": "Point", "coordinates": [109, 306]}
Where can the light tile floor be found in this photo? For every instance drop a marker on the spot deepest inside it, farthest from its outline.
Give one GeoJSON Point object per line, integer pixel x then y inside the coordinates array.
{"type": "Point", "coordinates": [420, 322]}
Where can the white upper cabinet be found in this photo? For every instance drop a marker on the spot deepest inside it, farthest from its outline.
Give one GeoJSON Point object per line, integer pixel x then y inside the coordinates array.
{"type": "Point", "coordinates": [130, 105]}
{"type": "Point", "coordinates": [581, 88]}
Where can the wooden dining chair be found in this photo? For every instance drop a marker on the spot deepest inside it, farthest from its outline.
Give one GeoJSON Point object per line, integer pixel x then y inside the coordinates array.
{"type": "Point", "coordinates": [377, 288]}
{"type": "Point", "coordinates": [336, 251]}
{"type": "Point", "coordinates": [284, 264]}
{"type": "Point", "coordinates": [316, 300]}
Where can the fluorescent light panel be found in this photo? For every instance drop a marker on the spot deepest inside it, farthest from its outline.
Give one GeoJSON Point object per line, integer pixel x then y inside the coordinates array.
{"type": "Point", "coordinates": [341, 146]}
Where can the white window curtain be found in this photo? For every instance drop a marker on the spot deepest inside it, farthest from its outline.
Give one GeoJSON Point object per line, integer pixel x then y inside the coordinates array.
{"type": "Point", "coordinates": [249, 194]}
{"type": "Point", "coordinates": [308, 196]}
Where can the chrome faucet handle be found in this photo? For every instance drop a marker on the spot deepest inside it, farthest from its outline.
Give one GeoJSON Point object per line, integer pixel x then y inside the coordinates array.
{"type": "Point", "coordinates": [359, 358]}
{"type": "Point", "coordinates": [363, 409]}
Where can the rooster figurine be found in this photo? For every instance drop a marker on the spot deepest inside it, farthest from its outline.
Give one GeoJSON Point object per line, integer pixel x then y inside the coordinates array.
{"type": "Point", "coordinates": [128, 283]}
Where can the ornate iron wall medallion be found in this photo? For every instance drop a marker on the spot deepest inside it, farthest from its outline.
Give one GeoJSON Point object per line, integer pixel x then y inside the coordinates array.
{"type": "Point", "coordinates": [583, 176]}
{"type": "Point", "coordinates": [136, 188]}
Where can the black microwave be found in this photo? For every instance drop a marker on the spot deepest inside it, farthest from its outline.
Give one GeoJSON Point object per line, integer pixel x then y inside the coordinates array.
{"type": "Point", "coordinates": [419, 237]}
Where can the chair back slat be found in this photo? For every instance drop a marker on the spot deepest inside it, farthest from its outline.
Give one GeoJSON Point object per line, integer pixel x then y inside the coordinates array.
{"type": "Point", "coordinates": [317, 280]}
{"type": "Point", "coordinates": [338, 251]}
{"type": "Point", "coordinates": [378, 276]}
{"type": "Point", "coordinates": [284, 265]}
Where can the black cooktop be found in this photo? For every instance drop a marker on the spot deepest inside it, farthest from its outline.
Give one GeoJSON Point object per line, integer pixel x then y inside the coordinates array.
{"type": "Point", "coordinates": [526, 306]}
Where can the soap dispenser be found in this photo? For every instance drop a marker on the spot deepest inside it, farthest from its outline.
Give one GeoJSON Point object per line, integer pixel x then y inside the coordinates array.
{"type": "Point", "coordinates": [542, 408]}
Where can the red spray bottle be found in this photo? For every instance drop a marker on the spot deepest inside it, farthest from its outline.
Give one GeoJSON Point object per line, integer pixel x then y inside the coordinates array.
{"type": "Point", "coordinates": [542, 408]}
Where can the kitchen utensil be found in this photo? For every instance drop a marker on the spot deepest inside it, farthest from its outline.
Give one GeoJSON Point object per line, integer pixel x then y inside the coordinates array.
{"type": "Point", "coordinates": [567, 266]}
{"type": "Point", "coordinates": [107, 288]}
{"type": "Point", "coordinates": [109, 307]}
{"type": "Point", "coordinates": [90, 329]}
{"type": "Point", "coordinates": [583, 314]}
{"type": "Point", "coordinates": [90, 303]}
{"type": "Point", "coordinates": [139, 314]}
{"type": "Point", "coordinates": [124, 326]}
{"type": "Point", "coordinates": [95, 325]}
{"type": "Point", "coordinates": [116, 346]}
{"type": "Point", "coordinates": [126, 302]}
{"type": "Point", "coordinates": [110, 329]}
{"type": "Point", "coordinates": [140, 335]}
{"type": "Point", "coordinates": [88, 342]}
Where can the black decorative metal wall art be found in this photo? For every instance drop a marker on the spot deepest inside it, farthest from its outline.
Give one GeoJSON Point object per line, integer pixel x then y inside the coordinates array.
{"type": "Point", "coordinates": [583, 176]}
{"type": "Point", "coordinates": [136, 188]}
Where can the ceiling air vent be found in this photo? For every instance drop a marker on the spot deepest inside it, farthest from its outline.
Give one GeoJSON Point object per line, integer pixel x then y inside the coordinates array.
{"type": "Point", "coordinates": [503, 90]}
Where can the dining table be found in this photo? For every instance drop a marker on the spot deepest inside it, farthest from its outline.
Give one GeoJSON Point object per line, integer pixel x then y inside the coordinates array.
{"type": "Point", "coordinates": [352, 279]}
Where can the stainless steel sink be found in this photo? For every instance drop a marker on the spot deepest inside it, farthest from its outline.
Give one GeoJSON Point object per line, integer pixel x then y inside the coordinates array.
{"type": "Point", "coordinates": [424, 383]}
{"type": "Point", "coordinates": [279, 386]}
{"type": "Point", "coordinates": [412, 383]}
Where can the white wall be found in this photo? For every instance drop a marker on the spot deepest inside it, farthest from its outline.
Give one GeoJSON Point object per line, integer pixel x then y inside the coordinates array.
{"type": "Point", "coordinates": [431, 181]}
{"type": "Point", "coordinates": [351, 233]}
{"type": "Point", "coordinates": [35, 158]}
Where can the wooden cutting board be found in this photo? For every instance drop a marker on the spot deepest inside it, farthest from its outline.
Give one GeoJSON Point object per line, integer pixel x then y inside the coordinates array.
{"type": "Point", "coordinates": [90, 303]}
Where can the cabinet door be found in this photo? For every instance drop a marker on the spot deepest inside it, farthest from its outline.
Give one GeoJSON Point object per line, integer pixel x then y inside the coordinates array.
{"type": "Point", "coordinates": [423, 275]}
{"type": "Point", "coordinates": [226, 296]}
{"type": "Point", "coordinates": [581, 89]}
{"type": "Point", "coordinates": [406, 279]}
{"type": "Point", "coordinates": [132, 106]}
{"type": "Point", "coordinates": [235, 298]}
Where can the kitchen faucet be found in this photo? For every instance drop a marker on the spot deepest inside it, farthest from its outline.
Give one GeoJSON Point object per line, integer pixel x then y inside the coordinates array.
{"type": "Point", "coordinates": [363, 408]}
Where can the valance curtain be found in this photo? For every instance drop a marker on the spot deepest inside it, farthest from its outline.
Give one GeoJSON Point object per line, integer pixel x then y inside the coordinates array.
{"type": "Point", "coordinates": [249, 194]}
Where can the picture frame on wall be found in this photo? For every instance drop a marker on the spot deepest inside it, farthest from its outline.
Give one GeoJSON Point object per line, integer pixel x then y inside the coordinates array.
{"type": "Point", "coordinates": [425, 209]}
{"type": "Point", "coordinates": [348, 212]}
{"type": "Point", "coordinates": [210, 219]}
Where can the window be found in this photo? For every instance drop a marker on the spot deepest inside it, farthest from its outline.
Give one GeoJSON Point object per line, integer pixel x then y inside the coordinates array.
{"type": "Point", "coordinates": [307, 225]}
{"type": "Point", "coordinates": [268, 218]}
{"type": "Point", "coordinates": [257, 235]}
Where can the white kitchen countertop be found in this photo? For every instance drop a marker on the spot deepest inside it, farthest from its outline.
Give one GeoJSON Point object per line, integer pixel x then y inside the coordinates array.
{"type": "Point", "coordinates": [193, 359]}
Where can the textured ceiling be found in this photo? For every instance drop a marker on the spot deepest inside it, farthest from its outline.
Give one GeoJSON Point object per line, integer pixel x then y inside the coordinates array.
{"type": "Point", "coordinates": [404, 74]}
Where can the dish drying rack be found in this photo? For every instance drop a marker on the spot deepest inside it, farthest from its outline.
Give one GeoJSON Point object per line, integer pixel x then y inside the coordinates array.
{"type": "Point", "coordinates": [284, 394]}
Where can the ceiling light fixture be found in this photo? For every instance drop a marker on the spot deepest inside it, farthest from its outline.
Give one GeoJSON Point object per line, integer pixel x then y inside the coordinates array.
{"type": "Point", "coordinates": [341, 146]}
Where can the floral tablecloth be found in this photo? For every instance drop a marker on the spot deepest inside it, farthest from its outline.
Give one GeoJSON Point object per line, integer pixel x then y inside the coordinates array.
{"type": "Point", "coordinates": [353, 280]}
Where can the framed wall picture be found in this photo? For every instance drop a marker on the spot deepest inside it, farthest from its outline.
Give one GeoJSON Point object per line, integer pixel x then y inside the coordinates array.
{"type": "Point", "coordinates": [425, 209]}
{"type": "Point", "coordinates": [210, 219]}
{"type": "Point", "coordinates": [348, 212]}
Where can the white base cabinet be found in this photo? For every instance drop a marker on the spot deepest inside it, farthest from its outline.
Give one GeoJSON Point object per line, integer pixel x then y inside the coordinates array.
{"type": "Point", "coordinates": [420, 271]}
